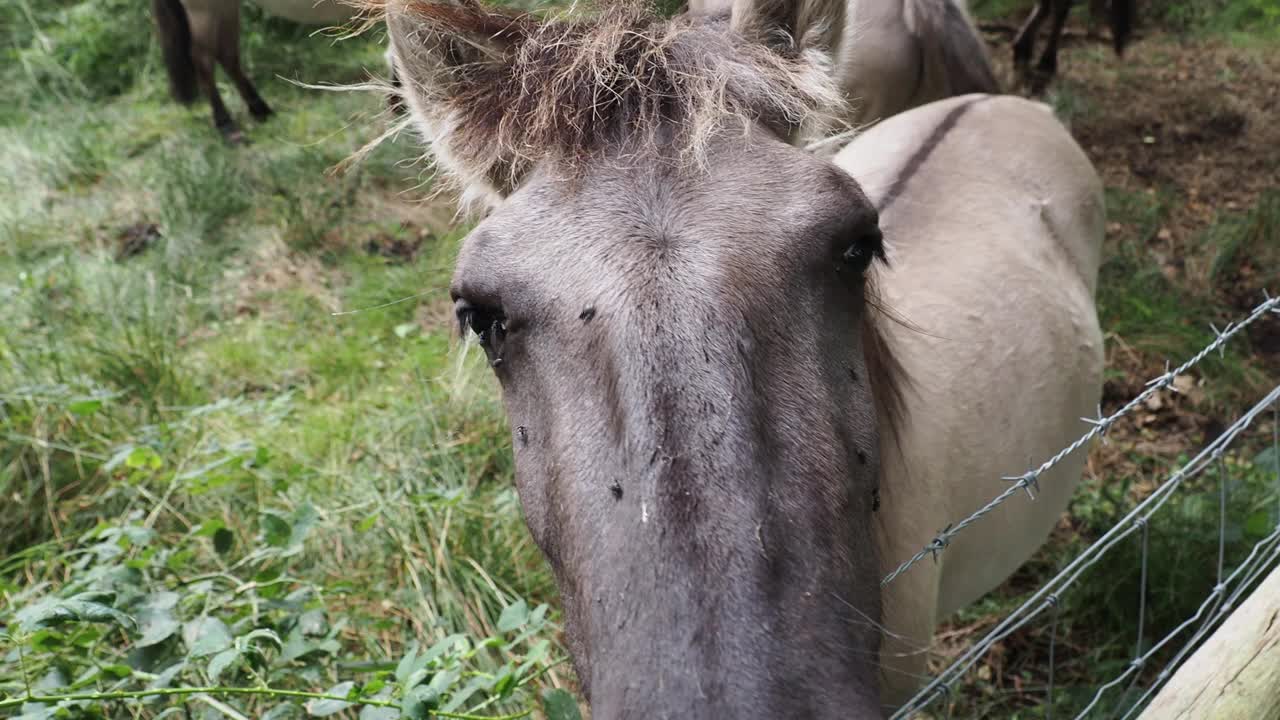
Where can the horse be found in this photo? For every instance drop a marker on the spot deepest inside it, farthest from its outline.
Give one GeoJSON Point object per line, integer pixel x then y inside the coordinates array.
{"type": "Point", "coordinates": [1120, 13]}
{"type": "Point", "coordinates": [197, 35]}
{"type": "Point", "coordinates": [892, 55]}
{"type": "Point", "coordinates": [744, 379]}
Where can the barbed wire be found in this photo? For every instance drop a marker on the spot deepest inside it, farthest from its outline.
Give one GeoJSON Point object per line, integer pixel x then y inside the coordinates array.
{"type": "Point", "coordinates": [1048, 595]}
{"type": "Point", "coordinates": [1029, 482]}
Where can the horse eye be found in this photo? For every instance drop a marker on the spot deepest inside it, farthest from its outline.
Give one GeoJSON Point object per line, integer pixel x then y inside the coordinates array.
{"type": "Point", "coordinates": [488, 323]}
{"type": "Point", "coordinates": [866, 247]}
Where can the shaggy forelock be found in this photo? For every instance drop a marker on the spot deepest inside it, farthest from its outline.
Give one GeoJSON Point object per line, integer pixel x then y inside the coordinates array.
{"type": "Point", "coordinates": [495, 92]}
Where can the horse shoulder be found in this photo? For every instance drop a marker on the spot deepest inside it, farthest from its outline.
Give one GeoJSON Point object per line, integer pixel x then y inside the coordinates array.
{"type": "Point", "coordinates": [994, 220]}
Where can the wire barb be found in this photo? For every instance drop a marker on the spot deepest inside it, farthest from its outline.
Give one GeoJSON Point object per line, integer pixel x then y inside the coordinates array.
{"type": "Point", "coordinates": [1101, 422]}
{"type": "Point", "coordinates": [1219, 338]}
{"type": "Point", "coordinates": [1029, 481]}
{"type": "Point", "coordinates": [940, 542]}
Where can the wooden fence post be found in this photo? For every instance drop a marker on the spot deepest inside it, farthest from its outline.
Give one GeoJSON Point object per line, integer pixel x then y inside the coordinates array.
{"type": "Point", "coordinates": [1235, 674]}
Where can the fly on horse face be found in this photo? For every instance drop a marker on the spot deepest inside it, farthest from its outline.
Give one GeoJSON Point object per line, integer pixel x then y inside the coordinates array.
{"type": "Point", "coordinates": [892, 55]}
{"type": "Point", "coordinates": [198, 35]}
{"type": "Point", "coordinates": [722, 439]}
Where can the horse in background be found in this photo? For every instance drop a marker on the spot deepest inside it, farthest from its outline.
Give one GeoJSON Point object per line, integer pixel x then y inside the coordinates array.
{"type": "Point", "coordinates": [1120, 15]}
{"type": "Point", "coordinates": [893, 55]}
{"type": "Point", "coordinates": [198, 35]}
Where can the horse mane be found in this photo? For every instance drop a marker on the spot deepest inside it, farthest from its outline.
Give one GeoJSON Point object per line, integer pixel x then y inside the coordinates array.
{"type": "Point", "coordinates": [496, 91]}
{"type": "Point", "coordinates": [886, 376]}
{"type": "Point", "coordinates": [950, 42]}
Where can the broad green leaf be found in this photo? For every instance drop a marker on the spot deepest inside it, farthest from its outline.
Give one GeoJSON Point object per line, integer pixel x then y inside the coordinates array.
{"type": "Point", "coordinates": [539, 614]}
{"type": "Point", "coordinates": [275, 528]}
{"type": "Point", "coordinates": [452, 642]}
{"type": "Point", "coordinates": [373, 687]}
{"type": "Point", "coordinates": [444, 680]}
{"type": "Point", "coordinates": [407, 663]}
{"type": "Point", "coordinates": [415, 678]}
{"type": "Point", "coordinates": [221, 662]}
{"type": "Point", "coordinates": [535, 655]}
{"type": "Point", "coordinates": [304, 518]}
{"type": "Point", "coordinates": [166, 676]}
{"type": "Point", "coordinates": [295, 646]}
{"type": "Point", "coordinates": [419, 703]}
{"type": "Point", "coordinates": [143, 458]}
{"type": "Point", "coordinates": [52, 682]}
{"type": "Point", "coordinates": [323, 708]}
{"type": "Point", "coordinates": [506, 681]}
{"type": "Point", "coordinates": [377, 712]}
{"type": "Point", "coordinates": [206, 636]}
{"type": "Point", "coordinates": [85, 407]}
{"type": "Point", "coordinates": [312, 622]}
{"type": "Point", "coordinates": [458, 698]}
{"type": "Point", "coordinates": [263, 633]}
{"type": "Point", "coordinates": [156, 621]}
{"type": "Point", "coordinates": [84, 607]}
{"type": "Point", "coordinates": [560, 705]}
{"type": "Point", "coordinates": [513, 616]}
{"type": "Point", "coordinates": [47, 640]}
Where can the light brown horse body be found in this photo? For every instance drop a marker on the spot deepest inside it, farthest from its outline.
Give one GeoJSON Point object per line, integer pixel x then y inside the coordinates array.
{"type": "Point", "coordinates": [198, 35]}
{"type": "Point", "coordinates": [893, 55]}
{"type": "Point", "coordinates": [719, 446]}
{"type": "Point", "coordinates": [996, 218]}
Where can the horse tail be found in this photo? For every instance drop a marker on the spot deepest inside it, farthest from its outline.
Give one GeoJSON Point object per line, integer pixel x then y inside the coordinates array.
{"type": "Point", "coordinates": [1122, 16]}
{"type": "Point", "coordinates": [175, 44]}
{"type": "Point", "coordinates": [951, 44]}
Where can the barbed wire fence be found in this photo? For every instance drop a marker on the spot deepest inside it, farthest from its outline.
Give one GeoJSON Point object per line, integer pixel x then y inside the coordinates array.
{"type": "Point", "coordinates": [1228, 588]}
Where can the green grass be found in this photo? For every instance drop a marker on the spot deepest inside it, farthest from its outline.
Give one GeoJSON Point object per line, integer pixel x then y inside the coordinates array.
{"type": "Point", "coordinates": [279, 495]}
{"type": "Point", "coordinates": [274, 494]}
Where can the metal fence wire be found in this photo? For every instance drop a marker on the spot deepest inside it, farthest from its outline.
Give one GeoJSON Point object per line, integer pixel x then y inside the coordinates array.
{"type": "Point", "coordinates": [1229, 586]}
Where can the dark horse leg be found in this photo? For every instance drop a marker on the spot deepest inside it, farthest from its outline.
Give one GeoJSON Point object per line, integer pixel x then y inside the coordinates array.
{"type": "Point", "coordinates": [1024, 42]}
{"type": "Point", "coordinates": [227, 51]}
{"type": "Point", "coordinates": [1048, 65]}
{"type": "Point", "coordinates": [257, 106]}
{"type": "Point", "coordinates": [1096, 10]}
{"type": "Point", "coordinates": [208, 84]}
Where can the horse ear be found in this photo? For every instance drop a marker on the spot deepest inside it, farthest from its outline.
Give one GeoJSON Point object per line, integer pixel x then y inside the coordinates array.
{"type": "Point", "coordinates": [791, 26]}
{"type": "Point", "coordinates": [444, 50]}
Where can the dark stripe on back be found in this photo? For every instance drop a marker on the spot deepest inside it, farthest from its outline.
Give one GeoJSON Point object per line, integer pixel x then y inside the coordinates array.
{"type": "Point", "coordinates": [926, 149]}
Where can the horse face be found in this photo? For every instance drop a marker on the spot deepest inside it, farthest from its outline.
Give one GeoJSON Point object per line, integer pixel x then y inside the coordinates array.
{"type": "Point", "coordinates": [679, 323]}
{"type": "Point", "coordinates": [695, 440]}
